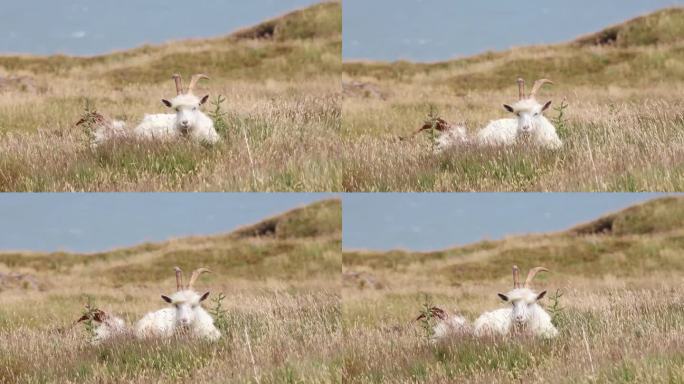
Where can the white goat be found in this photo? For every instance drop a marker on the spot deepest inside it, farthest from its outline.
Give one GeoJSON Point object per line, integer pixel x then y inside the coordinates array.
{"type": "Point", "coordinates": [453, 136]}
{"type": "Point", "coordinates": [185, 316]}
{"type": "Point", "coordinates": [528, 123]}
{"type": "Point", "coordinates": [187, 121]}
{"type": "Point", "coordinates": [524, 316]}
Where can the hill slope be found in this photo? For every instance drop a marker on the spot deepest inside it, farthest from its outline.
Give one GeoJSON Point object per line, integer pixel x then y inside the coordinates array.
{"type": "Point", "coordinates": [623, 61]}
{"type": "Point", "coordinates": [653, 217]}
{"type": "Point", "coordinates": [641, 239]}
{"type": "Point", "coordinates": [662, 27]}
{"type": "Point", "coordinates": [305, 245]}
{"type": "Point", "coordinates": [308, 37]}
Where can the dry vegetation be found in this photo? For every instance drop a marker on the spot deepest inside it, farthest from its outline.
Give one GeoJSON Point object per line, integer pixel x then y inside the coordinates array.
{"type": "Point", "coordinates": [280, 80]}
{"type": "Point", "coordinates": [282, 294]}
{"type": "Point", "coordinates": [623, 129]}
{"type": "Point", "coordinates": [622, 316]}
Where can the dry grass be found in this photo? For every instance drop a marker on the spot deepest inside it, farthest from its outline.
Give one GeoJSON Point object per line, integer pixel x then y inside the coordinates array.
{"type": "Point", "coordinates": [622, 319]}
{"type": "Point", "coordinates": [294, 336]}
{"type": "Point", "coordinates": [622, 130]}
{"type": "Point", "coordinates": [291, 125]}
{"type": "Point", "coordinates": [282, 319]}
{"type": "Point", "coordinates": [633, 329]}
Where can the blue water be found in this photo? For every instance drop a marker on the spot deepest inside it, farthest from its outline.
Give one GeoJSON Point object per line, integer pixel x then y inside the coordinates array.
{"type": "Point", "coordinates": [89, 27]}
{"type": "Point", "coordinates": [432, 30]}
{"type": "Point", "coordinates": [424, 221]}
{"type": "Point", "coordinates": [99, 221]}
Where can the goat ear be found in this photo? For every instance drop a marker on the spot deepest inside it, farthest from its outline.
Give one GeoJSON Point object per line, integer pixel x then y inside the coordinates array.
{"type": "Point", "coordinates": [541, 295]}
{"type": "Point", "coordinates": [167, 299]}
{"type": "Point", "coordinates": [167, 103]}
{"type": "Point", "coordinates": [204, 99]}
{"type": "Point", "coordinates": [503, 297]}
{"type": "Point", "coordinates": [508, 107]}
{"type": "Point", "coordinates": [546, 106]}
{"type": "Point", "coordinates": [204, 297]}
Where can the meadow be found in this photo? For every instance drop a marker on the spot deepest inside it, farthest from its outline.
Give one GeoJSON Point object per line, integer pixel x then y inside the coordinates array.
{"type": "Point", "coordinates": [275, 296]}
{"type": "Point", "coordinates": [614, 293]}
{"type": "Point", "coordinates": [275, 99]}
{"type": "Point", "coordinates": [621, 120]}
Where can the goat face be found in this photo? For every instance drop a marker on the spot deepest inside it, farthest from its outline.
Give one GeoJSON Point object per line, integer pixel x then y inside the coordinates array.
{"type": "Point", "coordinates": [187, 107]}
{"type": "Point", "coordinates": [186, 304]}
{"type": "Point", "coordinates": [522, 300]}
{"type": "Point", "coordinates": [528, 112]}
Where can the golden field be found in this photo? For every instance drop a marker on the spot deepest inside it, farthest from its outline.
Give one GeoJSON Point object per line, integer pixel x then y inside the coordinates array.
{"type": "Point", "coordinates": [614, 293]}
{"type": "Point", "coordinates": [622, 127]}
{"type": "Point", "coordinates": [280, 118]}
{"type": "Point", "coordinates": [280, 317]}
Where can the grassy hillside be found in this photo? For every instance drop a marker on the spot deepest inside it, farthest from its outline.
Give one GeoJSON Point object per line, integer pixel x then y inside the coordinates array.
{"type": "Point", "coordinates": [318, 219]}
{"type": "Point", "coordinates": [622, 93]}
{"type": "Point", "coordinates": [259, 71]}
{"type": "Point", "coordinates": [281, 291]}
{"type": "Point", "coordinates": [662, 27]}
{"type": "Point", "coordinates": [656, 216]}
{"type": "Point", "coordinates": [620, 292]}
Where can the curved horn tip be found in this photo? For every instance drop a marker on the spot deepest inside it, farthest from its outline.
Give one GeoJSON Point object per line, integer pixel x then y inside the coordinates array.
{"type": "Point", "coordinates": [541, 82]}
{"type": "Point", "coordinates": [537, 86]}
{"type": "Point", "coordinates": [532, 273]}
{"type": "Point", "coordinates": [195, 79]}
{"type": "Point", "coordinates": [195, 274]}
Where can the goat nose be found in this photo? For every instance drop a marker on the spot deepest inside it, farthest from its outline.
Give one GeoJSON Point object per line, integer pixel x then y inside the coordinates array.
{"type": "Point", "coordinates": [184, 122]}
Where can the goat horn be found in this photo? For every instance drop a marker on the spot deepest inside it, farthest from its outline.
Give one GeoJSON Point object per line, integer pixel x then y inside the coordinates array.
{"type": "Point", "coordinates": [521, 88]}
{"type": "Point", "coordinates": [179, 83]}
{"type": "Point", "coordinates": [532, 273]}
{"type": "Point", "coordinates": [195, 274]}
{"type": "Point", "coordinates": [516, 277]}
{"type": "Point", "coordinates": [434, 312]}
{"type": "Point", "coordinates": [179, 278]}
{"type": "Point", "coordinates": [96, 315]}
{"type": "Point", "coordinates": [195, 78]}
{"type": "Point", "coordinates": [537, 86]}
